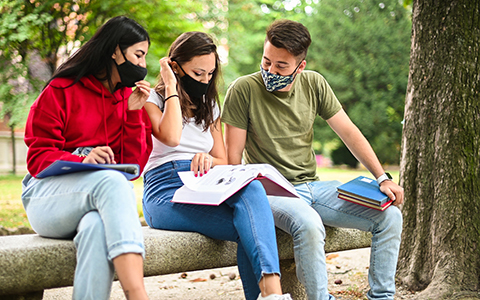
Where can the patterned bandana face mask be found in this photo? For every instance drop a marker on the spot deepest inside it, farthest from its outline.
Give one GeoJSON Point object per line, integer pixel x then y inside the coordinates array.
{"type": "Point", "coordinates": [274, 82]}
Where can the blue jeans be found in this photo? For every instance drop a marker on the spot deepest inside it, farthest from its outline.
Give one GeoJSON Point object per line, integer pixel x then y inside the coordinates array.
{"type": "Point", "coordinates": [245, 218]}
{"type": "Point", "coordinates": [98, 210]}
{"type": "Point", "coordinates": [305, 218]}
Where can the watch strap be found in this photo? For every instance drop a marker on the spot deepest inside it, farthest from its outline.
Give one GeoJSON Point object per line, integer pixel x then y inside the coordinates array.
{"type": "Point", "coordinates": [383, 177]}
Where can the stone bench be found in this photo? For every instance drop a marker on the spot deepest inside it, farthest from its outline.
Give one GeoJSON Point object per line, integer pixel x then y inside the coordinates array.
{"type": "Point", "coordinates": [29, 264]}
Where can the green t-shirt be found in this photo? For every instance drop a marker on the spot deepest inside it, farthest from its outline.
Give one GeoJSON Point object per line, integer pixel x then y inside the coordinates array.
{"type": "Point", "coordinates": [279, 125]}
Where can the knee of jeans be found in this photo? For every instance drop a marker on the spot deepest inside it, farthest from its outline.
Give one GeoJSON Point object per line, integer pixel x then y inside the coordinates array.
{"type": "Point", "coordinates": [112, 183]}
{"type": "Point", "coordinates": [90, 228]}
{"type": "Point", "coordinates": [256, 188]}
{"type": "Point", "coordinates": [111, 177]}
{"type": "Point", "coordinates": [394, 219]}
{"type": "Point", "coordinates": [310, 232]}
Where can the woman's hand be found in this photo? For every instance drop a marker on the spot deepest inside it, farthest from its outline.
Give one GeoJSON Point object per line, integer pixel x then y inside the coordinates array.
{"type": "Point", "coordinates": [139, 96]}
{"type": "Point", "coordinates": [201, 164]}
{"type": "Point", "coordinates": [100, 155]}
{"type": "Point", "coordinates": [166, 72]}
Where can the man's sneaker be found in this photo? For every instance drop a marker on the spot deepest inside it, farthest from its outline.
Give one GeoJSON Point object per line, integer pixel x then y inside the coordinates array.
{"type": "Point", "coordinates": [275, 297]}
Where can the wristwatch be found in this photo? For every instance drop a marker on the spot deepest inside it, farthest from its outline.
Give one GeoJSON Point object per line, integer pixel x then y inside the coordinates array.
{"type": "Point", "coordinates": [383, 177]}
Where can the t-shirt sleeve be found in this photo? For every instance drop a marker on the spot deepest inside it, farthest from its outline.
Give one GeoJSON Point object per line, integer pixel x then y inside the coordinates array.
{"type": "Point", "coordinates": [235, 106]}
{"type": "Point", "coordinates": [156, 99]}
{"type": "Point", "coordinates": [216, 111]}
{"type": "Point", "coordinates": [328, 102]}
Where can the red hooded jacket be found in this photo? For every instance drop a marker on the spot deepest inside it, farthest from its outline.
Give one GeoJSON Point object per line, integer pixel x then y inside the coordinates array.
{"type": "Point", "coordinates": [86, 114]}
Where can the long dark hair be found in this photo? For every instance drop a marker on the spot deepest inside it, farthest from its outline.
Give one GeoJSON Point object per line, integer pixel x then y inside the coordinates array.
{"type": "Point", "coordinates": [95, 57]}
{"type": "Point", "coordinates": [184, 49]}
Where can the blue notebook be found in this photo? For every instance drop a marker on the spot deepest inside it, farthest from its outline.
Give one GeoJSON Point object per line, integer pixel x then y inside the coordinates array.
{"type": "Point", "coordinates": [365, 189]}
{"type": "Point", "coordinates": [60, 167]}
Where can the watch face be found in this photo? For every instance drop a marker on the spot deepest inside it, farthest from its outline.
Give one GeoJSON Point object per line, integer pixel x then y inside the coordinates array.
{"type": "Point", "coordinates": [388, 175]}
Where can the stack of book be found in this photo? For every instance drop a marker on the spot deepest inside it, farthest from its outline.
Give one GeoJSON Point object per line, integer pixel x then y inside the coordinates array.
{"type": "Point", "coordinates": [364, 191]}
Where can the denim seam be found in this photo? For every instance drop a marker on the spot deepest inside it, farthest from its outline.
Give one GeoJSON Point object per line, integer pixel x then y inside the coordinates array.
{"type": "Point", "coordinates": [290, 216]}
{"type": "Point", "coordinates": [260, 255]}
{"type": "Point", "coordinates": [349, 214]}
{"type": "Point", "coordinates": [373, 262]}
{"type": "Point", "coordinates": [125, 242]}
{"type": "Point", "coordinates": [146, 213]}
{"type": "Point", "coordinates": [314, 201]}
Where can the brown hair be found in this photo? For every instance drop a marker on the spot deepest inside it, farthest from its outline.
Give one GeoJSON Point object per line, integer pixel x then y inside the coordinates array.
{"type": "Point", "coordinates": [289, 35]}
{"type": "Point", "coordinates": [184, 49]}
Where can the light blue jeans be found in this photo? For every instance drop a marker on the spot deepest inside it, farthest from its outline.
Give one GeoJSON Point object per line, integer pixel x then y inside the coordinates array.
{"type": "Point", "coordinates": [98, 210]}
{"type": "Point", "coordinates": [305, 218]}
{"type": "Point", "coordinates": [245, 218]}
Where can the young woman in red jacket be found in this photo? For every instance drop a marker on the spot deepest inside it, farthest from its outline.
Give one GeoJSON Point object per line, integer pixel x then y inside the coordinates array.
{"type": "Point", "coordinates": [88, 113]}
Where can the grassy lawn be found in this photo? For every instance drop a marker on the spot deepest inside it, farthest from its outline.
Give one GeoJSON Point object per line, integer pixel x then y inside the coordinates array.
{"type": "Point", "coordinates": [13, 215]}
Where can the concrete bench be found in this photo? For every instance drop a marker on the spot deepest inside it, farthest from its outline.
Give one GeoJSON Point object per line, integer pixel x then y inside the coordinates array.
{"type": "Point", "coordinates": [29, 264]}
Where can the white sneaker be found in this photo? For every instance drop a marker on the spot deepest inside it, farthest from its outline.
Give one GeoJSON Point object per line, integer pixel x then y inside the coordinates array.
{"type": "Point", "coordinates": [275, 297]}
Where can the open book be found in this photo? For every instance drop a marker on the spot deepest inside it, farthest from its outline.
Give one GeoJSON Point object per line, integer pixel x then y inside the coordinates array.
{"type": "Point", "coordinates": [364, 191]}
{"type": "Point", "coordinates": [60, 167]}
{"type": "Point", "coordinates": [222, 181]}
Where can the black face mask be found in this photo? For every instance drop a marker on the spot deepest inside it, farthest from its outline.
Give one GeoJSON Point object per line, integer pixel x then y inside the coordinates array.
{"type": "Point", "coordinates": [194, 88]}
{"type": "Point", "coordinates": [130, 73]}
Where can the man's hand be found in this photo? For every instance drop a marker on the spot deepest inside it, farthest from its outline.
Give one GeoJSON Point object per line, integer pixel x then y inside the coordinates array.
{"type": "Point", "coordinates": [393, 191]}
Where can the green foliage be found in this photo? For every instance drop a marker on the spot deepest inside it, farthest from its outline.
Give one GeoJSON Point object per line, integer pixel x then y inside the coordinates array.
{"type": "Point", "coordinates": [362, 49]}
{"type": "Point", "coordinates": [248, 21]}
{"type": "Point", "coordinates": [360, 46]}
{"type": "Point", "coordinates": [55, 29]}
{"type": "Point", "coordinates": [343, 156]}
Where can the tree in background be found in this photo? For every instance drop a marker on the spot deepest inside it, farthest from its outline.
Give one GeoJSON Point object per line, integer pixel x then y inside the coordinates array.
{"type": "Point", "coordinates": [36, 35]}
{"type": "Point", "coordinates": [362, 49]}
{"type": "Point", "coordinates": [440, 165]}
{"type": "Point", "coordinates": [247, 24]}
{"type": "Point", "coordinates": [360, 46]}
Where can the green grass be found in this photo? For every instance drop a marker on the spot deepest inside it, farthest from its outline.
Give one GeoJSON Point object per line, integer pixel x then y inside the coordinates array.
{"type": "Point", "coordinates": [13, 215]}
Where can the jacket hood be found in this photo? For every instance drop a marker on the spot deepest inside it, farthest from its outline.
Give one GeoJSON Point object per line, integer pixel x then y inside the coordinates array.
{"type": "Point", "coordinates": [92, 83]}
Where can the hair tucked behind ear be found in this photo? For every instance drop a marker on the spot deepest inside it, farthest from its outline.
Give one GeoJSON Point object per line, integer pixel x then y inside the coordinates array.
{"type": "Point", "coordinates": [95, 56]}
{"type": "Point", "coordinates": [184, 49]}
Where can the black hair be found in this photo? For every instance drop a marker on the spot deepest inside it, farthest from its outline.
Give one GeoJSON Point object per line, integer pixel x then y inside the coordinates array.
{"type": "Point", "coordinates": [95, 56]}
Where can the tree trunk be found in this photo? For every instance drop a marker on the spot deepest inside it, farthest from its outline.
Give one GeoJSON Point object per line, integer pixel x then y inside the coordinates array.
{"type": "Point", "coordinates": [14, 150]}
{"type": "Point", "coordinates": [440, 164]}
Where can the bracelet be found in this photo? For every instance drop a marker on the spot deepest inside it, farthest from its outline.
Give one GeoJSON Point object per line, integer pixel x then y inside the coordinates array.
{"type": "Point", "coordinates": [171, 96]}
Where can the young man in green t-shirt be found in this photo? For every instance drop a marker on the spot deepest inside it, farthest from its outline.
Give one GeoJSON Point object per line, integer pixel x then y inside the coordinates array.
{"type": "Point", "coordinates": [269, 118]}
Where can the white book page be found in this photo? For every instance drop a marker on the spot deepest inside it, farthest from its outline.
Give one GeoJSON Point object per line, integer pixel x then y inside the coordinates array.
{"type": "Point", "coordinates": [220, 178]}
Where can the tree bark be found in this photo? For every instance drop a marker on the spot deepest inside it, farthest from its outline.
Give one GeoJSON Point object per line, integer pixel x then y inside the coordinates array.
{"type": "Point", "coordinates": [440, 163]}
{"type": "Point", "coordinates": [14, 150]}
